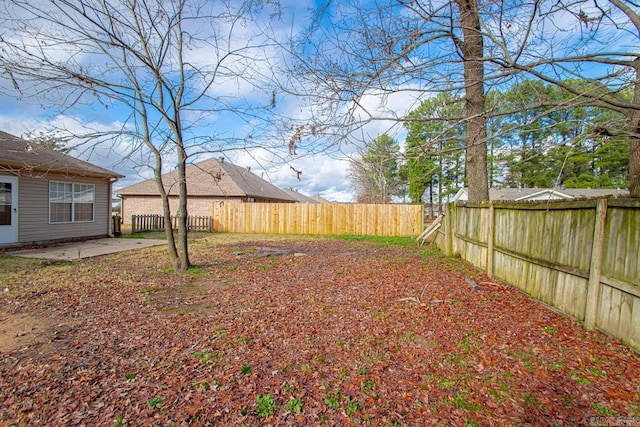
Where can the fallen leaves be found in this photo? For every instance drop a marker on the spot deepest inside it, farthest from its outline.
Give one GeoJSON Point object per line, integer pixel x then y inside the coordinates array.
{"type": "Point", "coordinates": [351, 332]}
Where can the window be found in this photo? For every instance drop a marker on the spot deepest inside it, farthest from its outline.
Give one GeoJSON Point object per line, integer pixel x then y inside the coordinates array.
{"type": "Point", "coordinates": [5, 203]}
{"type": "Point", "coordinates": [83, 202]}
{"type": "Point", "coordinates": [71, 202]}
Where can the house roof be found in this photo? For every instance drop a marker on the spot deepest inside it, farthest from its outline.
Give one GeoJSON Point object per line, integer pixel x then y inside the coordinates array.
{"type": "Point", "coordinates": [301, 198]}
{"type": "Point", "coordinates": [545, 193]}
{"type": "Point", "coordinates": [212, 178]}
{"type": "Point", "coordinates": [20, 156]}
{"type": "Point", "coordinates": [318, 198]}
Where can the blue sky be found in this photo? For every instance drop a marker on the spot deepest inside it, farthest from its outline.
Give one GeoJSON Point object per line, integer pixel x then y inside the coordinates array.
{"type": "Point", "coordinates": [325, 174]}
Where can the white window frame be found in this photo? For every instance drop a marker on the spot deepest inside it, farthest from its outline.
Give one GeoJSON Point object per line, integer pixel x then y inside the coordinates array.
{"type": "Point", "coordinates": [75, 188]}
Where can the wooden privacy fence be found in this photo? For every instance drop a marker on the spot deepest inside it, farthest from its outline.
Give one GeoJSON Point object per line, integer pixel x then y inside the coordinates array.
{"type": "Point", "coordinates": [318, 218]}
{"type": "Point", "coordinates": [581, 257]}
{"type": "Point", "coordinates": [156, 223]}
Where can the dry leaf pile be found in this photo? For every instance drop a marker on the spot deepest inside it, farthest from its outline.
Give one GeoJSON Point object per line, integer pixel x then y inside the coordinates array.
{"type": "Point", "coordinates": [299, 332]}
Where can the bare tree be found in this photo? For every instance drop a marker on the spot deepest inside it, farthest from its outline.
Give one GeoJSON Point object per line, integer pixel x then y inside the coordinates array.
{"type": "Point", "coordinates": [586, 47]}
{"type": "Point", "coordinates": [471, 46]}
{"type": "Point", "coordinates": [358, 60]}
{"type": "Point", "coordinates": [375, 173]}
{"type": "Point", "coordinates": [173, 66]}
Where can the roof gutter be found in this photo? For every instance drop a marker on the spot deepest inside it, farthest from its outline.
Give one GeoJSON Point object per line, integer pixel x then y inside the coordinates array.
{"type": "Point", "coordinates": [20, 168]}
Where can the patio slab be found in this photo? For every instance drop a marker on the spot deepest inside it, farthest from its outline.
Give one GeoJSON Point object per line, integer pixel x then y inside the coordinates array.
{"type": "Point", "coordinates": [90, 248]}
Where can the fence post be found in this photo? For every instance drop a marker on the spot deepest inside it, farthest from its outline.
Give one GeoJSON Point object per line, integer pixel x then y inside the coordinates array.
{"type": "Point", "coordinates": [593, 288]}
{"type": "Point", "coordinates": [133, 224]}
{"type": "Point", "coordinates": [453, 245]}
{"type": "Point", "coordinates": [448, 230]}
{"type": "Point", "coordinates": [490, 238]}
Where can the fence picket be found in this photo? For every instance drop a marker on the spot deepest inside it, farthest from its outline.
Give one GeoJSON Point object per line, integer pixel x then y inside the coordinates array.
{"type": "Point", "coordinates": [580, 256]}
{"type": "Point", "coordinates": [141, 223]}
{"type": "Point", "coordinates": [333, 218]}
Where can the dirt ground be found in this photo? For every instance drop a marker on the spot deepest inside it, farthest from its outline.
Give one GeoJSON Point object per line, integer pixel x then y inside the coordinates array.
{"type": "Point", "coordinates": [23, 330]}
{"type": "Point", "coordinates": [267, 330]}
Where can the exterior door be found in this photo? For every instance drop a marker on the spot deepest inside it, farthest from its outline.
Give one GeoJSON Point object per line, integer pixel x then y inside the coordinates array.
{"type": "Point", "coordinates": [8, 210]}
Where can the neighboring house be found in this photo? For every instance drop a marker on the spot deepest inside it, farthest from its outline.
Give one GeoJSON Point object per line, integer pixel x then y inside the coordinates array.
{"type": "Point", "coordinates": [530, 194]}
{"type": "Point", "coordinates": [209, 181]}
{"type": "Point", "coordinates": [48, 196]}
{"type": "Point", "coordinates": [318, 198]}
{"type": "Point", "coordinates": [300, 198]}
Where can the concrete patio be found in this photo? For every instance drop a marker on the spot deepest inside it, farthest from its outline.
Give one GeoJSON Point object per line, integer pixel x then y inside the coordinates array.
{"type": "Point", "coordinates": [86, 249]}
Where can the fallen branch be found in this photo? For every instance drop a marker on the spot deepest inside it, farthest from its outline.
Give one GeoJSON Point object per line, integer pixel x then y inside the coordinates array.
{"type": "Point", "coordinates": [413, 299]}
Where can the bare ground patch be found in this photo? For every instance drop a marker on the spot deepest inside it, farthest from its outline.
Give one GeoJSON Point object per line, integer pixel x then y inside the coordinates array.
{"type": "Point", "coordinates": [22, 331]}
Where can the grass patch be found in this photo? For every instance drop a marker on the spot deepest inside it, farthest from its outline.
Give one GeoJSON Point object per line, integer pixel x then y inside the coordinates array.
{"type": "Point", "coordinates": [580, 379]}
{"type": "Point", "coordinates": [382, 240]}
{"type": "Point", "coordinates": [603, 409]}
{"type": "Point", "coordinates": [206, 357]}
{"type": "Point", "coordinates": [351, 408]}
{"type": "Point", "coordinates": [265, 405]}
{"type": "Point", "coordinates": [531, 400]}
{"type": "Point", "coordinates": [197, 271]}
{"type": "Point", "coordinates": [139, 235]}
{"type": "Point", "coordinates": [294, 406]}
{"type": "Point", "coordinates": [14, 264]}
{"type": "Point", "coordinates": [333, 400]}
{"type": "Point", "coordinates": [464, 401]}
{"type": "Point", "coordinates": [155, 402]}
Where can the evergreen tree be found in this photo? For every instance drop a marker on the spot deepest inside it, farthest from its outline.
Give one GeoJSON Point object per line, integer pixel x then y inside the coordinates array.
{"type": "Point", "coordinates": [435, 148]}
{"type": "Point", "coordinates": [549, 139]}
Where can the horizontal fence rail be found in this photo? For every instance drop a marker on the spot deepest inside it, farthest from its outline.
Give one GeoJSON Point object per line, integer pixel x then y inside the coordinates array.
{"type": "Point", "coordinates": [580, 256]}
{"type": "Point", "coordinates": [318, 218]}
{"type": "Point", "coordinates": [156, 222]}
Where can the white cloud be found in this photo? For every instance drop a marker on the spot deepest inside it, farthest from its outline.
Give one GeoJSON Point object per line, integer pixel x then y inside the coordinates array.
{"type": "Point", "coordinates": [321, 175]}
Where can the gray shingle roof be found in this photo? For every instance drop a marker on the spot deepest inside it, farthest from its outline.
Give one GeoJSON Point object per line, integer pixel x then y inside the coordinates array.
{"type": "Point", "coordinates": [212, 178]}
{"type": "Point", "coordinates": [21, 156]}
{"type": "Point", "coordinates": [299, 196]}
{"type": "Point", "coordinates": [578, 193]}
{"type": "Point", "coordinates": [318, 198]}
{"type": "Point", "coordinates": [543, 193]}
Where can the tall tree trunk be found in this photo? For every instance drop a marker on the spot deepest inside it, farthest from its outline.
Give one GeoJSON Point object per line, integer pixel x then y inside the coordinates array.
{"type": "Point", "coordinates": [430, 198]}
{"type": "Point", "coordinates": [634, 157]}
{"type": "Point", "coordinates": [183, 262]}
{"type": "Point", "coordinates": [166, 207]}
{"type": "Point", "coordinates": [491, 165]}
{"type": "Point", "coordinates": [440, 174]}
{"type": "Point", "coordinates": [473, 52]}
{"type": "Point", "coordinates": [634, 139]}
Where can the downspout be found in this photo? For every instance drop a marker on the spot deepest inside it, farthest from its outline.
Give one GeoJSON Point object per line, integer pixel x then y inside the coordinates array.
{"type": "Point", "coordinates": [112, 181]}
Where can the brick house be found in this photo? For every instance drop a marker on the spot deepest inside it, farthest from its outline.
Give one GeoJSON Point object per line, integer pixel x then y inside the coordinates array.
{"type": "Point", "coordinates": [209, 181]}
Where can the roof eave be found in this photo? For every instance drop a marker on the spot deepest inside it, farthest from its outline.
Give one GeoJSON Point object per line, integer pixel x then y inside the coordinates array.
{"type": "Point", "coordinates": [549, 192]}
{"type": "Point", "coordinates": [22, 167]}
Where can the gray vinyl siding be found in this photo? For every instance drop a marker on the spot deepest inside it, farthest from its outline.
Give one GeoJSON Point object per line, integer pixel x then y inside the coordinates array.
{"type": "Point", "coordinates": [33, 211]}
